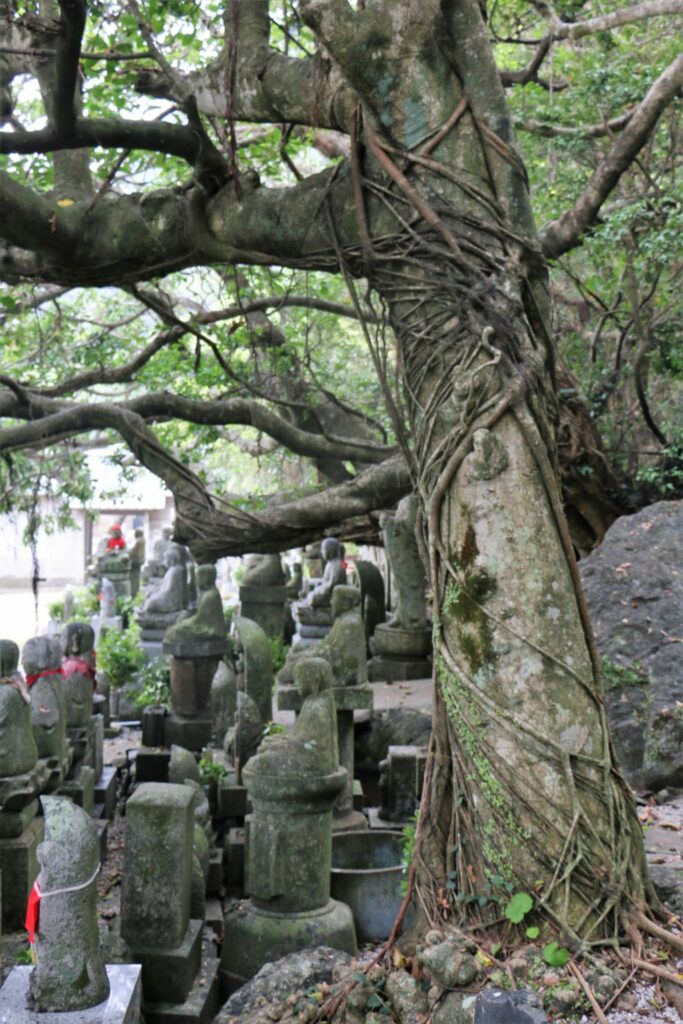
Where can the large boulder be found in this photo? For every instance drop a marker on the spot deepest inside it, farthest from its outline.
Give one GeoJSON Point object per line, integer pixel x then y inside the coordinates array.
{"type": "Point", "coordinates": [634, 588]}
{"type": "Point", "coordinates": [294, 974]}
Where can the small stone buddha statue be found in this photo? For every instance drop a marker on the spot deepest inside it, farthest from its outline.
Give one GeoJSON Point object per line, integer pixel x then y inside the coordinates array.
{"type": "Point", "coordinates": [208, 622]}
{"type": "Point", "coordinates": [169, 597]}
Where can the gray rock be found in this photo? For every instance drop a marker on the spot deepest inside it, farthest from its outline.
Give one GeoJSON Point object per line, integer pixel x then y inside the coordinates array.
{"type": "Point", "coordinates": [400, 543]}
{"type": "Point", "coordinates": [223, 701]}
{"type": "Point", "coordinates": [408, 1000]}
{"type": "Point", "coordinates": [449, 966]}
{"type": "Point", "coordinates": [634, 589]}
{"type": "Point", "coordinates": [496, 1006]}
{"type": "Point", "coordinates": [275, 981]}
{"type": "Point", "coordinates": [70, 973]}
{"type": "Point", "coordinates": [401, 727]}
{"type": "Point", "coordinates": [455, 1008]}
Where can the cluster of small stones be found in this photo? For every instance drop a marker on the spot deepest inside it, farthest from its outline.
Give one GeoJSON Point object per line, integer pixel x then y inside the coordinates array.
{"type": "Point", "coordinates": [443, 983]}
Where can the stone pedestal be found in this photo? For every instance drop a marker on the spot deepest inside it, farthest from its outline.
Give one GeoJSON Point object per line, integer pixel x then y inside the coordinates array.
{"type": "Point", "coordinates": [193, 666]}
{"type": "Point", "coordinates": [347, 700]}
{"type": "Point", "coordinates": [266, 606]}
{"type": "Point", "coordinates": [18, 871]}
{"type": "Point", "coordinates": [121, 1007]}
{"type": "Point", "coordinates": [400, 654]}
{"type": "Point", "coordinates": [80, 788]}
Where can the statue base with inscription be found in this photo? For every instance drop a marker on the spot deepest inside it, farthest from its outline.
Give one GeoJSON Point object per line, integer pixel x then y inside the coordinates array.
{"type": "Point", "coordinates": [122, 1006]}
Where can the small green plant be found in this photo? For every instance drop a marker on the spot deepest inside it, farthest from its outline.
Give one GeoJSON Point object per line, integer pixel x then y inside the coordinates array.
{"type": "Point", "coordinates": [119, 655]}
{"type": "Point", "coordinates": [211, 771]}
{"type": "Point", "coordinates": [86, 603]}
{"type": "Point", "coordinates": [24, 956]}
{"type": "Point", "coordinates": [615, 675]}
{"type": "Point", "coordinates": [408, 852]}
{"type": "Point", "coordinates": [556, 956]}
{"type": "Point", "coordinates": [125, 606]}
{"type": "Point", "coordinates": [228, 615]}
{"type": "Point", "coordinates": [518, 907]}
{"type": "Point", "coordinates": [273, 729]}
{"type": "Point", "coordinates": [278, 651]}
{"type": "Point", "coordinates": [155, 680]}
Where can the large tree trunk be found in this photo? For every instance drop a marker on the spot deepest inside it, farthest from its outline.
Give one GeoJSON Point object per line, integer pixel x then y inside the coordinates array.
{"type": "Point", "coordinates": [521, 785]}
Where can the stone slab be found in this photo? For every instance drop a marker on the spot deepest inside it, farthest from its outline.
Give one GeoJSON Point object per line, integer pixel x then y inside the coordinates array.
{"type": "Point", "coordinates": [235, 849]}
{"type": "Point", "coordinates": [214, 881]}
{"type": "Point", "coordinates": [383, 823]}
{"type": "Point", "coordinates": [105, 791]}
{"type": "Point", "coordinates": [214, 915]}
{"type": "Point", "coordinates": [200, 1007]}
{"type": "Point", "coordinates": [122, 1006]}
{"type": "Point", "coordinates": [192, 733]}
{"type": "Point", "coordinates": [211, 647]}
{"type": "Point", "coordinates": [102, 826]}
{"type": "Point", "coordinates": [395, 670]}
{"type": "Point", "coordinates": [313, 632]}
{"type": "Point", "coordinates": [81, 788]}
{"type": "Point", "coordinates": [151, 764]}
{"type": "Point", "coordinates": [168, 974]}
{"type": "Point", "coordinates": [19, 869]}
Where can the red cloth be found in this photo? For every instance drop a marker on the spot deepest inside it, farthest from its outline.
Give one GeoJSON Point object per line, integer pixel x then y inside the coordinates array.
{"type": "Point", "coordinates": [115, 542]}
{"type": "Point", "coordinates": [33, 912]}
{"type": "Point", "coordinates": [74, 664]}
{"type": "Point", "coordinates": [35, 676]}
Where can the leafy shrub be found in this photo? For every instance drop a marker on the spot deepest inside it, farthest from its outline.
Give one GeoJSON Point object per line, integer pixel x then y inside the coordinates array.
{"type": "Point", "coordinates": [278, 651]}
{"type": "Point", "coordinates": [155, 680]}
{"type": "Point", "coordinates": [119, 655]}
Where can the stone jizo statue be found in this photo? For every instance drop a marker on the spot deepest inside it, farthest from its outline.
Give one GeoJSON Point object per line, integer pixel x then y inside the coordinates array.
{"type": "Point", "coordinates": [400, 543]}
{"type": "Point", "coordinates": [70, 973]}
{"type": "Point", "coordinates": [107, 599]}
{"type": "Point", "coordinates": [312, 746]}
{"type": "Point", "coordinates": [18, 750]}
{"type": "Point", "coordinates": [263, 571]}
{"type": "Point", "coordinates": [344, 647]}
{"type": "Point", "coordinates": [78, 668]}
{"type": "Point", "coordinates": [42, 661]}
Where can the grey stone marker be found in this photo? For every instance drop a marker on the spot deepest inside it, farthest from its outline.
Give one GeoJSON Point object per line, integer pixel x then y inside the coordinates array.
{"type": "Point", "coordinates": [254, 665]}
{"type": "Point", "coordinates": [69, 972]}
{"type": "Point", "coordinates": [401, 776]}
{"type": "Point", "coordinates": [292, 782]}
{"type": "Point", "coordinates": [155, 905]}
{"type": "Point", "coordinates": [42, 661]}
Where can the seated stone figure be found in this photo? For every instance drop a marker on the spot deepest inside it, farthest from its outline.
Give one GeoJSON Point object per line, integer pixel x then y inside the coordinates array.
{"type": "Point", "coordinates": [42, 661]}
{"type": "Point", "coordinates": [18, 751]}
{"type": "Point", "coordinates": [167, 600]}
{"type": "Point", "coordinates": [344, 647]}
{"type": "Point", "coordinates": [78, 668]}
{"type": "Point", "coordinates": [314, 609]}
{"type": "Point", "coordinates": [311, 749]}
{"type": "Point", "coordinates": [206, 627]}
{"type": "Point", "coordinates": [263, 571]}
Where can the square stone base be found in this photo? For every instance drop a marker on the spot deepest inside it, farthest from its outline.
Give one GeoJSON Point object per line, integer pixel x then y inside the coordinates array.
{"type": "Point", "coordinates": [122, 1006]}
{"type": "Point", "coordinates": [13, 823]}
{"type": "Point", "coordinates": [200, 1007]}
{"type": "Point", "coordinates": [105, 791]}
{"type": "Point", "coordinates": [192, 733]}
{"type": "Point", "coordinates": [168, 974]}
{"type": "Point", "coordinates": [382, 823]}
{"type": "Point", "coordinates": [232, 799]}
{"type": "Point", "coordinates": [81, 788]}
{"type": "Point", "coordinates": [18, 871]}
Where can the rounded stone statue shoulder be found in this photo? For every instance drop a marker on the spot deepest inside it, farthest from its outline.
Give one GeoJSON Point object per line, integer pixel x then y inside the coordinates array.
{"type": "Point", "coordinates": [18, 751]}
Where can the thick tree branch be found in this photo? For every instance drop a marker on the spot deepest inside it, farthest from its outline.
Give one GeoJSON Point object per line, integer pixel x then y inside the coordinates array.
{"type": "Point", "coordinates": [603, 23]}
{"type": "Point", "coordinates": [66, 65]}
{"type": "Point", "coordinates": [587, 131]}
{"type": "Point", "coordinates": [565, 233]}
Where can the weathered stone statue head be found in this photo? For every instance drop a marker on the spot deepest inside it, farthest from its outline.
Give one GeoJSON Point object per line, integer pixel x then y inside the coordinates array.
{"type": "Point", "coordinates": [9, 657]}
{"type": "Point", "coordinates": [78, 638]}
{"type": "Point", "coordinates": [70, 972]}
{"type": "Point", "coordinates": [18, 751]}
{"type": "Point", "coordinates": [263, 571]}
